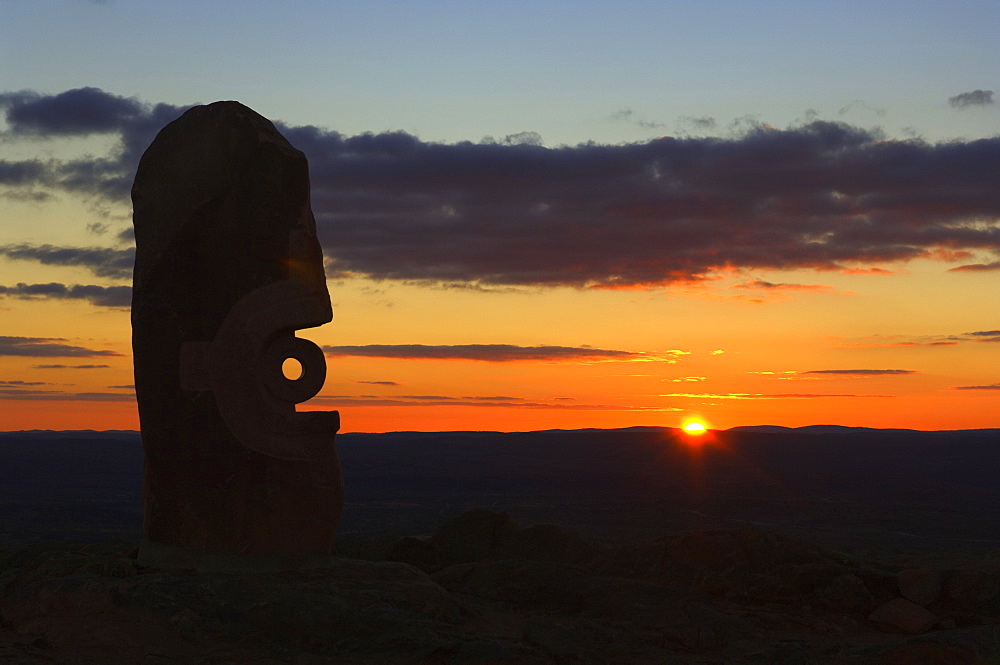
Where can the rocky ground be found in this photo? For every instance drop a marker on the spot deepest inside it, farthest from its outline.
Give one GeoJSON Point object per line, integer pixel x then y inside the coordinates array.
{"type": "Point", "coordinates": [483, 590]}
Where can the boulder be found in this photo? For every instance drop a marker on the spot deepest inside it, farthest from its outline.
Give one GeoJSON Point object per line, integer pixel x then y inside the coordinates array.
{"type": "Point", "coordinates": [846, 593]}
{"type": "Point", "coordinates": [902, 616]}
{"type": "Point", "coordinates": [920, 585]}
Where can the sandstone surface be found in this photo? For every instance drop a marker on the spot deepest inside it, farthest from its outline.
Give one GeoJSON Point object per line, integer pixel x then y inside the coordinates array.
{"type": "Point", "coordinates": [227, 268]}
{"type": "Point", "coordinates": [747, 601]}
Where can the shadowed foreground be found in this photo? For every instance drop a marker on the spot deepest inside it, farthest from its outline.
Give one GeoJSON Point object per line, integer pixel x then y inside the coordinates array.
{"type": "Point", "coordinates": [484, 590]}
{"type": "Point", "coordinates": [794, 548]}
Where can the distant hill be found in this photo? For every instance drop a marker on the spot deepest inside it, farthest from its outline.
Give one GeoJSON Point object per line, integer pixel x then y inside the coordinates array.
{"type": "Point", "coordinates": [841, 486]}
{"type": "Point", "coordinates": [841, 429]}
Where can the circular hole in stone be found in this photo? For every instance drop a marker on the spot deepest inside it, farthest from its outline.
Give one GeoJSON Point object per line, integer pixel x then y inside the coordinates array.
{"type": "Point", "coordinates": [292, 369]}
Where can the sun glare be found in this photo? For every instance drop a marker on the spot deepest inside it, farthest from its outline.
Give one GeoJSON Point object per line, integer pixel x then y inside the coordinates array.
{"type": "Point", "coordinates": [695, 428]}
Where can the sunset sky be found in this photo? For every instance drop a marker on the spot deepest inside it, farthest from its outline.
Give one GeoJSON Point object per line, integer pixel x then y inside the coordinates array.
{"type": "Point", "coordinates": [541, 215]}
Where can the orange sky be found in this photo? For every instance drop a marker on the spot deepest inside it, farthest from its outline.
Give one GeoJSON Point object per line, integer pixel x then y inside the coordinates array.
{"type": "Point", "coordinates": [787, 360]}
{"type": "Point", "coordinates": [816, 274]}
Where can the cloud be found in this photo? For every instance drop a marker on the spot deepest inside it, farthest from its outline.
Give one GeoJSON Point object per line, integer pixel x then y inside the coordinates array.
{"type": "Point", "coordinates": [520, 138]}
{"type": "Point", "coordinates": [904, 341]}
{"type": "Point", "coordinates": [629, 116]}
{"type": "Point", "coordinates": [985, 335]}
{"type": "Point", "coordinates": [861, 104]}
{"type": "Point", "coordinates": [759, 284]}
{"type": "Point", "coordinates": [821, 195]}
{"type": "Point", "coordinates": [78, 112]}
{"type": "Point", "coordinates": [761, 395]}
{"type": "Point", "coordinates": [485, 402]}
{"type": "Point", "coordinates": [104, 296]}
{"type": "Point", "coordinates": [58, 395]}
{"type": "Point", "coordinates": [862, 372]}
{"type": "Point", "coordinates": [382, 383]}
{"type": "Point", "coordinates": [992, 386]}
{"type": "Point", "coordinates": [974, 98]}
{"type": "Point", "coordinates": [44, 347]}
{"type": "Point", "coordinates": [901, 341]}
{"type": "Point", "coordinates": [24, 383]}
{"type": "Point", "coordinates": [485, 352]}
{"type": "Point", "coordinates": [977, 267]}
{"type": "Point", "coordinates": [70, 366]}
{"type": "Point", "coordinates": [704, 122]}
{"type": "Point", "coordinates": [102, 261]}
{"type": "Point", "coordinates": [84, 112]}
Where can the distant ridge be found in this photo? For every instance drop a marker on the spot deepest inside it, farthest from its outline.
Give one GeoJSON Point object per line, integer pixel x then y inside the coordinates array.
{"type": "Point", "coordinates": [70, 434]}
{"type": "Point", "coordinates": [841, 429]}
{"type": "Point", "coordinates": [41, 434]}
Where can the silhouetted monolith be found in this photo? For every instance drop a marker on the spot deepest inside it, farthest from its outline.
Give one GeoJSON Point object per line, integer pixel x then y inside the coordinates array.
{"type": "Point", "coordinates": [227, 268]}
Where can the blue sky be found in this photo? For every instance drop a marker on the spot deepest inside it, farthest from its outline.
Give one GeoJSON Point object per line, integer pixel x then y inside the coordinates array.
{"type": "Point", "coordinates": [450, 71]}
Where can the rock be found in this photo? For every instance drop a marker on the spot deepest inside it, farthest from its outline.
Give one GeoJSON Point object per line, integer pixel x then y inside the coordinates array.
{"type": "Point", "coordinates": [417, 552]}
{"type": "Point", "coordinates": [920, 585]}
{"type": "Point", "coordinates": [972, 592]}
{"type": "Point", "coordinates": [545, 542]}
{"type": "Point", "coordinates": [362, 611]}
{"type": "Point", "coordinates": [742, 564]}
{"type": "Point", "coordinates": [227, 268]}
{"type": "Point", "coordinates": [480, 535]}
{"type": "Point", "coordinates": [681, 615]}
{"type": "Point", "coordinates": [552, 638]}
{"type": "Point", "coordinates": [902, 616]}
{"type": "Point", "coordinates": [473, 536]}
{"type": "Point", "coordinates": [930, 653]}
{"type": "Point", "coordinates": [846, 593]}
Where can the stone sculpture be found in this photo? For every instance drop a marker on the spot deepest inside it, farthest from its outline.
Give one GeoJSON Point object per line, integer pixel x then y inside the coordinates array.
{"type": "Point", "coordinates": [227, 268]}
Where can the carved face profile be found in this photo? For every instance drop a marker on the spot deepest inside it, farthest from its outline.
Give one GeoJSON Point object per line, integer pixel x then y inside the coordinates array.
{"type": "Point", "coordinates": [228, 267]}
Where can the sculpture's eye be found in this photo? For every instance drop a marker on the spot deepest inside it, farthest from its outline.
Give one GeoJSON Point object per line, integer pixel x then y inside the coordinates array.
{"type": "Point", "coordinates": [292, 369]}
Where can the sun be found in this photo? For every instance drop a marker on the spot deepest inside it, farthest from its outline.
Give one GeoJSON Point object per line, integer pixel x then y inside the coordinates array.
{"type": "Point", "coordinates": [695, 428]}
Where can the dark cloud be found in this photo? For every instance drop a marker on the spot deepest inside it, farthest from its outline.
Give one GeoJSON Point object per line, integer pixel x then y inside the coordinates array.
{"type": "Point", "coordinates": [382, 383]}
{"type": "Point", "coordinates": [104, 296]}
{"type": "Point", "coordinates": [126, 387]}
{"type": "Point", "coordinates": [862, 372]}
{"type": "Point", "coordinates": [992, 386]}
{"type": "Point", "coordinates": [704, 122]}
{"type": "Point", "coordinates": [760, 284]}
{"type": "Point", "coordinates": [861, 104]}
{"type": "Point", "coordinates": [27, 196]}
{"type": "Point", "coordinates": [72, 113]}
{"type": "Point", "coordinates": [977, 267]}
{"type": "Point", "coordinates": [517, 403]}
{"type": "Point", "coordinates": [24, 383]}
{"type": "Point", "coordinates": [629, 116]}
{"type": "Point", "coordinates": [58, 395]}
{"type": "Point", "coordinates": [496, 398]}
{"type": "Point", "coordinates": [742, 396]}
{"type": "Point", "coordinates": [520, 138]}
{"type": "Point", "coordinates": [83, 112]}
{"type": "Point", "coordinates": [102, 261]}
{"type": "Point", "coordinates": [901, 341]}
{"type": "Point", "coordinates": [47, 347]}
{"type": "Point", "coordinates": [25, 172]}
{"type": "Point", "coordinates": [974, 98]}
{"type": "Point", "coordinates": [824, 195]}
{"type": "Point", "coordinates": [484, 352]}
{"type": "Point", "coordinates": [70, 366]}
